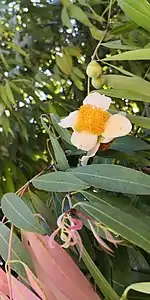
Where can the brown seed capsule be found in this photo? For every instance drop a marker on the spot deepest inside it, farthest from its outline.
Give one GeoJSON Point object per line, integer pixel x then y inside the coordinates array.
{"type": "Point", "coordinates": [94, 69]}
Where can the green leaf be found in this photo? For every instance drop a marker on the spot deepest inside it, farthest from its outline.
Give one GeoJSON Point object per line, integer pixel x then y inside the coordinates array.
{"type": "Point", "coordinates": [96, 33]}
{"type": "Point", "coordinates": [129, 143]}
{"type": "Point", "coordinates": [142, 287]}
{"type": "Point", "coordinates": [119, 216]}
{"type": "Point", "coordinates": [63, 132]}
{"type": "Point", "coordinates": [17, 48]}
{"type": "Point", "coordinates": [64, 62]}
{"type": "Point", "coordinates": [59, 155]}
{"type": "Point", "coordinates": [140, 121]}
{"type": "Point", "coordinates": [18, 252]}
{"type": "Point", "coordinates": [77, 13]}
{"type": "Point", "coordinates": [138, 11]}
{"type": "Point", "coordinates": [140, 85]}
{"type": "Point", "coordinates": [78, 73]}
{"type": "Point", "coordinates": [99, 279]}
{"type": "Point", "coordinates": [120, 93]}
{"type": "Point", "coordinates": [19, 214]}
{"type": "Point", "coordinates": [114, 178]}
{"type": "Point", "coordinates": [140, 54]}
{"type": "Point", "coordinates": [65, 18]}
{"type": "Point", "coordinates": [118, 45]}
{"type": "Point", "coordinates": [59, 182]}
{"type": "Point", "coordinates": [9, 93]}
{"type": "Point", "coordinates": [47, 129]}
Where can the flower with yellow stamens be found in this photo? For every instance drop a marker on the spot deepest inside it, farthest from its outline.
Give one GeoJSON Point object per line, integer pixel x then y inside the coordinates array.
{"type": "Point", "coordinates": [92, 124]}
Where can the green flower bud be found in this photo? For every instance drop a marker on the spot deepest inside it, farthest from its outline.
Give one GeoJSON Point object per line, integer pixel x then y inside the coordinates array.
{"type": "Point", "coordinates": [94, 69]}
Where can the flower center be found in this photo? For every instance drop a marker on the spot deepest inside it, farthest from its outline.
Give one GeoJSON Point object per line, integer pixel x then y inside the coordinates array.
{"type": "Point", "coordinates": [91, 119]}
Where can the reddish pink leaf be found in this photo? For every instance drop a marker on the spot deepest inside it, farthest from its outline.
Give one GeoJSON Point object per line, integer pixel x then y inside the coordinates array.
{"type": "Point", "coordinates": [61, 271]}
{"type": "Point", "coordinates": [3, 283]}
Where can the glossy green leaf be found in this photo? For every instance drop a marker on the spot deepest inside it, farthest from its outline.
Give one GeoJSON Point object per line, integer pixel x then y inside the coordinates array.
{"type": "Point", "coordinates": [64, 62]}
{"type": "Point", "coordinates": [18, 252]}
{"type": "Point", "coordinates": [128, 83]}
{"type": "Point", "coordinates": [119, 216]}
{"type": "Point", "coordinates": [63, 132]}
{"type": "Point", "coordinates": [19, 214]}
{"type": "Point", "coordinates": [140, 54]}
{"type": "Point", "coordinates": [99, 279]}
{"type": "Point", "coordinates": [59, 182]}
{"type": "Point", "coordinates": [125, 94]}
{"type": "Point", "coordinates": [138, 11]}
{"type": "Point", "coordinates": [114, 178]}
{"type": "Point", "coordinates": [129, 143]}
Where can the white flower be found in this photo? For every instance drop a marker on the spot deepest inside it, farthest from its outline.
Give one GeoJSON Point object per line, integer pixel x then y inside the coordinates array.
{"type": "Point", "coordinates": [92, 124]}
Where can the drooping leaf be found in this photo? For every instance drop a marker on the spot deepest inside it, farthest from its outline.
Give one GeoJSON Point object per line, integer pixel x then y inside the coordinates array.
{"type": "Point", "coordinates": [19, 213]}
{"type": "Point", "coordinates": [18, 252]}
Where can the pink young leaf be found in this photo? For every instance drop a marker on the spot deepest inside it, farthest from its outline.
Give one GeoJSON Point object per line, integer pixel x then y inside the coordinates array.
{"type": "Point", "coordinates": [35, 283]}
{"type": "Point", "coordinates": [99, 239]}
{"type": "Point", "coordinates": [59, 268]}
{"type": "Point", "coordinates": [20, 291]}
{"type": "Point", "coordinates": [3, 283]}
{"type": "Point", "coordinates": [3, 296]}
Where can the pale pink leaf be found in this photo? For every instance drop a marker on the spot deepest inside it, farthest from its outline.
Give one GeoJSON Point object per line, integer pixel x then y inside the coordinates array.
{"type": "Point", "coordinates": [20, 291]}
{"type": "Point", "coordinates": [35, 284]}
{"type": "Point", "coordinates": [59, 268]}
{"type": "Point", "coordinates": [3, 283]}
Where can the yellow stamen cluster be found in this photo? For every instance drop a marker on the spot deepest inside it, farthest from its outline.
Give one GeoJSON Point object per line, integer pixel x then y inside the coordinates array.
{"type": "Point", "coordinates": [91, 119]}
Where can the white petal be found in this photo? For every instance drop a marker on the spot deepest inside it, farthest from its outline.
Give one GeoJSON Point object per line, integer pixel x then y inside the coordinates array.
{"type": "Point", "coordinates": [69, 120]}
{"type": "Point", "coordinates": [116, 126]}
{"type": "Point", "coordinates": [91, 153]}
{"type": "Point", "coordinates": [98, 100]}
{"type": "Point", "coordinates": [84, 140]}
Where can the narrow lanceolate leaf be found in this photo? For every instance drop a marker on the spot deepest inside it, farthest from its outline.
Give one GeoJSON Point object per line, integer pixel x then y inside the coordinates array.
{"type": "Point", "coordinates": [65, 18]}
{"type": "Point", "coordinates": [19, 213]}
{"type": "Point", "coordinates": [128, 83]}
{"type": "Point", "coordinates": [18, 252]}
{"type": "Point", "coordinates": [99, 279]}
{"type": "Point", "coordinates": [60, 156]}
{"type": "Point", "coordinates": [140, 121]}
{"type": "Point", "coordinates": [59, 182]}
{"type": "Point", "coordinates": [114, 178]}
{"type": "Point", "coordinates": [63, 132]}
{"type": "Point", "coordinates": [138, 11]}
{"type": "Point", "coordinates": [140, 54]}
{"type": "Point", "coordinates": [121, 93]}
{"type": "Point", "coordinates": [119, 216]}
